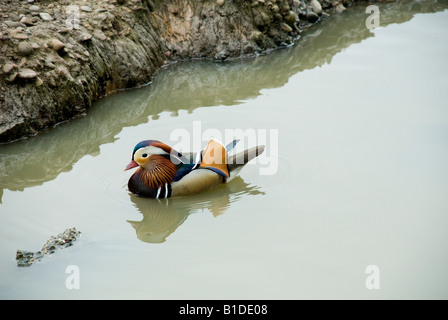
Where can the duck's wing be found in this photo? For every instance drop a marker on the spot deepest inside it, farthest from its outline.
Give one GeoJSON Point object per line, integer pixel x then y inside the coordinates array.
{"type": "Point", "coordinates": [185, 166]}
{"type": "Point", "coordinates": [207, 169]}
{"type": "Point", "coordinates": [190, 161]}
{"type": "Point", "coordinates": [196, 181]}
{"type": "Point", "coordinates": [238, 161]}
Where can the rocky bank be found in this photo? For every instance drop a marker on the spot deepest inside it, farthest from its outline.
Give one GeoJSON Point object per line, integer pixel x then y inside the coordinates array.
{"type": "Point", "coordinates": [61, 241]}
{"type": "Point", "coordinates": [58, 57]}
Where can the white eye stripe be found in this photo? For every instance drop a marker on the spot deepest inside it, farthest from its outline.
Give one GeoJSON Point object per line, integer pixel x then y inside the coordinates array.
{"type": "Point", "coordinates": [150, 150]}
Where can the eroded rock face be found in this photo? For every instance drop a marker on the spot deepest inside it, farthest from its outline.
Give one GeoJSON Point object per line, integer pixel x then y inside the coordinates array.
{"type": "Point", "coordinates": [58, 57]}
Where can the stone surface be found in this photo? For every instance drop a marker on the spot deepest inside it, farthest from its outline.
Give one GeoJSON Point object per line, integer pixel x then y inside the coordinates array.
{"type": "Point", "coordinates": [34, 8]}
{"type": "Point", "coordinates": [57, 45]}
{"type": "Point", "coordinates": [86, 8]}
{"type": "Point", "coordinates": [19, 36]}
{"type": "Point", "coordinates": [312, 16]}
{"type": "Point", "coordinates": [39, 82]}
{"type": "Point", "coordinates": [12, 77]}
{"type": "Point", "coordinates": [45, 16]}
{"type": "Point", "coordinates": [316, 7]}
{"type": "Point", "coordinates": [291, 18]}
{"type": "Point", "coordinates": [286, 27]}
{"type": "Point", "coordinates": [25, 49]}
{"type": "Point", "coordinates": [85, 36]}
{"type": "Point", "coordinates": [8, 67]}
{"type": "Point", "coordinates": [99, 35]}
{"type": "Point", "coordinates": [27, 74]}
{"type": "Point", "coordinates": [340, 8]}
{"type": "Point", "coordinates": [27, 21]}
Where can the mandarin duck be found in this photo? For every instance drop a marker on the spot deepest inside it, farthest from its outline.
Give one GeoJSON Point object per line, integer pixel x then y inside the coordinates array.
{"type": "Point", "coordinates": [164, 172]}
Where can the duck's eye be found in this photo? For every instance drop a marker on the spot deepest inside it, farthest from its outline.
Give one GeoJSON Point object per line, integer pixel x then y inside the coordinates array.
{"type": "Point", "coordinates": [145, 155]}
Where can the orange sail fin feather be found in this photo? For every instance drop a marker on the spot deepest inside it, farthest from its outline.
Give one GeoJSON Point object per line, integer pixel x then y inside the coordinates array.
{"type": "Point", "coordinates": [215, 158]}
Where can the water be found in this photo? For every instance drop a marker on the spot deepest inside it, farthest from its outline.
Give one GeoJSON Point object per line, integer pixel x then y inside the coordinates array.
{"type": "Point", "coordinates": [360, 179]}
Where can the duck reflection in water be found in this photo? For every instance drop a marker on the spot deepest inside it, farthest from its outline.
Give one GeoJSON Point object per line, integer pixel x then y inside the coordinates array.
{"type": "Point", "coordinates": [162, 217]}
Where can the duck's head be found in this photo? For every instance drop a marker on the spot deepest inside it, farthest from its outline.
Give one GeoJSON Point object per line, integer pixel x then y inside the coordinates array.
{"type": "Point", "coordinates": [144, 151]}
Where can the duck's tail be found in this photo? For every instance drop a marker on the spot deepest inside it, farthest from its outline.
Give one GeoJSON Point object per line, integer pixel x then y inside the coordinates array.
{"type": "Point", "coordinates": [238, 161]}
{"type": "Point", "coordinates": [231, 145]}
